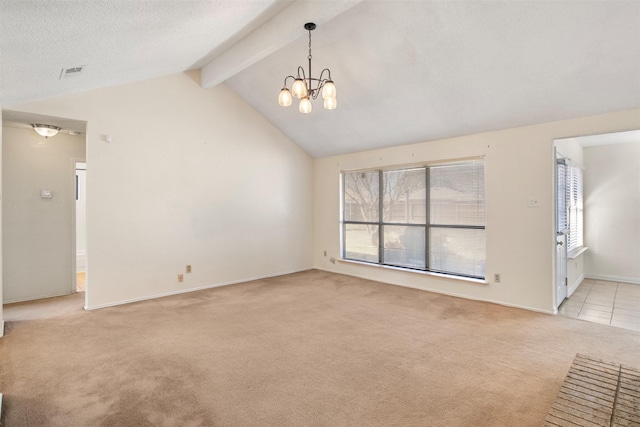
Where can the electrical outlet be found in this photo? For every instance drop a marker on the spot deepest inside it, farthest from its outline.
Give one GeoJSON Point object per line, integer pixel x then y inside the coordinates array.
{"type": "Point", "coordinates": [188, 269]}
{"type": "Point", "coordinates": [496, 277]}
{"type": "Point", "coordinates": [180, 278]}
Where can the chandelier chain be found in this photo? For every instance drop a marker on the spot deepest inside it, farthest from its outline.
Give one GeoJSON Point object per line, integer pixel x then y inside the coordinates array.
{"type": "Point", "coordinates": [309, 57]}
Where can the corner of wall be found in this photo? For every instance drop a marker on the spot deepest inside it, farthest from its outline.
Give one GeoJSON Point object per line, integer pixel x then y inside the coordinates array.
{"type": "Point", "coordinates": [1, 291]}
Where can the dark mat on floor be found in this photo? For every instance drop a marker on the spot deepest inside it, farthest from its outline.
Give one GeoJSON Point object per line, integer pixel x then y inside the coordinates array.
{"type": "Point", "coordinates": [597, 393]}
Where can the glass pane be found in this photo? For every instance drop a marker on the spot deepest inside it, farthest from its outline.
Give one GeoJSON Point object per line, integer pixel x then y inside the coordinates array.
{"type": "Point", "coordinates": [404, 196]}
{"type": "Point", "coordinates": [457, 250]}
{"type": "Point", "coordinates": [404, 246]}
{"type": "Point", "coordinates": [361, 196]}
{"type": "Point", "coordinates": [457, 194]}
{"type": "Point", "coordinates": [361, 242]}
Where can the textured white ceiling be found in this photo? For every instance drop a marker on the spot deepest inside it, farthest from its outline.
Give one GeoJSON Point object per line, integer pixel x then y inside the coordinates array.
{"type": "Point", "coordinates": [118, 41]}
{"type": "Point", "coordinates": [412, 71]}
{"type": "Point", "coordinates": [405, 71]}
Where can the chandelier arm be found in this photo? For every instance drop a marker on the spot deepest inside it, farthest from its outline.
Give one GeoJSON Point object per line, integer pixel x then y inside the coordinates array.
{"type": "Point", "coordinates": [328, 72]}
{"type": "Point", "coordinates": [285, 79]}
{"type": "Point", "coordinates": [322, 81]}
{"type": "Point", "coordinates": [313, 93]}
{"type": "Point", "coordinates": [307, 81]}
{"type": "Point", "coordinates": [301, 71]}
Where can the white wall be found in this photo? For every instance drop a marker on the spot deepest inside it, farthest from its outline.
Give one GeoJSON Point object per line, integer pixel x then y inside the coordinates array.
{"type": "Point", "coordinates": [1, 239]}
{"type": "Point", "coordinates": [612, 211]}
{"type": "Point", "coordinates": [575, 272]}
{"type": "Point", "coordinates": [191, 176]}
{"type": "Point", "coordinates": [520, 240]}
{"type": "Point", "coordinates": [38, 233]}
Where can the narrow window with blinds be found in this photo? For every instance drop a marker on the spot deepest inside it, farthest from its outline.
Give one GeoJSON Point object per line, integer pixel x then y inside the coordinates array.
{"type": "Point", "coordinates": [420, 218]}
{"type": "Point", "coordinates": [575, 207]}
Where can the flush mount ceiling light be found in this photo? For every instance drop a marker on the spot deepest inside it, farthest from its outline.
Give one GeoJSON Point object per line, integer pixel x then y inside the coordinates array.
{"type": "Point", "coordinates": [46, 130]}
{"type": "Point", "coordinates": [303, 86]}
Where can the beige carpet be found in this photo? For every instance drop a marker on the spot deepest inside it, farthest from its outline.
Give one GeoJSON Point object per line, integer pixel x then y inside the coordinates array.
{"type": "Point", "coordinates": [307, 349]}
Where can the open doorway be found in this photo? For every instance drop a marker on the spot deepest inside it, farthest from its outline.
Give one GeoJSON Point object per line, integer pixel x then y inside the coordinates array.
{"type": "Point", "coordinates": [569, 218]}
{"type": "Point", "coordinates": [603, 272]}
{"type": "Point", "coordinates": [81, 226]}
{"type": "Point", "coordinates": [38, 210]}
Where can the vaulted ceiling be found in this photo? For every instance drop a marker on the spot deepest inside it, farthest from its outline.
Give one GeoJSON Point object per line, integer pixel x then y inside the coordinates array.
{"type": "Point", "coordinates": [405, 71]}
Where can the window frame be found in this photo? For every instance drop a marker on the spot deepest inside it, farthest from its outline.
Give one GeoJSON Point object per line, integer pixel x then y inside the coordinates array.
{"type": "Point", "coordinates": [427, 226]}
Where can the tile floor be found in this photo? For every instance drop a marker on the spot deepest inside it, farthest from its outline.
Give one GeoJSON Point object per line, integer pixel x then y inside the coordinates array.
{"type": "Point", "coordinates": [610, 303]}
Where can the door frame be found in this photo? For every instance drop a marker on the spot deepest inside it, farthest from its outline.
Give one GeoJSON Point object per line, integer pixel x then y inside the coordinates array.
{"type": "Point", "coordinates": [563, 241]}
{"type": "Point", "coordinates": [74, 162]}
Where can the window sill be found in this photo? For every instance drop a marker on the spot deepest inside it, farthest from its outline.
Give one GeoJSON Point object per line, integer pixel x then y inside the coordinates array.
{"type": "Point", "coordinates": [422, 273]}
{"type": "Point", "coordinates": [577, 252]}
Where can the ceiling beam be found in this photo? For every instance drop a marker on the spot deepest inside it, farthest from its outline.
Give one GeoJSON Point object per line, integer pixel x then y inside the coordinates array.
{"type": "Point", "coordinates": [276, 33]}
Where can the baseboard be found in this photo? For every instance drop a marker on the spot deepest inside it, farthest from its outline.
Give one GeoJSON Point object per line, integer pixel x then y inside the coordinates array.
{"type": "Point", "coordinates": [613, 278]}
{"type": "Point", "coordinates": [451, 294]}
{"type": "Point", "coordinates": [575, 285]}
{"type": "Point", "coordinates": [12, 301]}
{"type": "Point", "coordinates": [184, 291]}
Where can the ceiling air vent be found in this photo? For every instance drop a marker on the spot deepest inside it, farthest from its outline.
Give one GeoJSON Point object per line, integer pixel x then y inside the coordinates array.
{"type": "Point", "coordinates": [65, 73]}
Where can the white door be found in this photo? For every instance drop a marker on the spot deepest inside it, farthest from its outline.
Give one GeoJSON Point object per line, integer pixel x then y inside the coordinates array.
{"type": "Point", "coordinates": [561, 232]}
{"type": "Point", "coordinates": [561, 270]}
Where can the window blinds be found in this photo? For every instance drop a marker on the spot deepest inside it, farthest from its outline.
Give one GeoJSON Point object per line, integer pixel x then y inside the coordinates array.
{"type": "Point", "coordinates": [575, 207]}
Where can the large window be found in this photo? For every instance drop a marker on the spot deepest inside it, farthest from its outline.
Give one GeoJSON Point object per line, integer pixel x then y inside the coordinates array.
{"type": "Point", "coordinates": [421, 218]}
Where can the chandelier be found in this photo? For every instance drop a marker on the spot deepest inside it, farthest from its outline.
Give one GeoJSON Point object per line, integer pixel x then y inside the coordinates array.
{"type": "Point", "coordinates": [303, 86]}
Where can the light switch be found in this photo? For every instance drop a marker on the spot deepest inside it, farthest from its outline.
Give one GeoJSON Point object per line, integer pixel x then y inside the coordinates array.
{"type": "Point", "coordinates": [46, 194]}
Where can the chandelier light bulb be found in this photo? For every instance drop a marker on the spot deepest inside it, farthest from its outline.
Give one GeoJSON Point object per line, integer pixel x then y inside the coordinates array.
{"type": "Point", "coordinates": [305, 105]}
{"type": "Point", "coordinates": [299, 88]}
{"type": "Point", "coordinates": [285, 97]}
{"type": "Point", "coordinates": [329, 90]}
{"type": "Point", "coordinates": [330, 103]}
